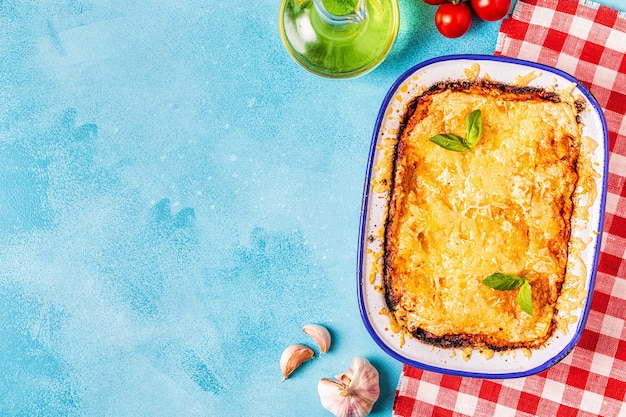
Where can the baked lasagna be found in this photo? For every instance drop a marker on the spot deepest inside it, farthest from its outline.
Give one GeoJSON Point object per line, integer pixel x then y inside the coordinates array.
{"type": "Point", "coordinates": [502, 207]}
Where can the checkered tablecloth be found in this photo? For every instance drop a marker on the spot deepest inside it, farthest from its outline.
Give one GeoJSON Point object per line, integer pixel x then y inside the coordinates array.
{"type": "Point", "coordinates": [588, 41]}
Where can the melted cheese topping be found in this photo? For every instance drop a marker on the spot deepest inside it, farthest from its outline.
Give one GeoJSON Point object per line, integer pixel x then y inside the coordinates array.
{"type": "Point", "coordinates": [456, 218]}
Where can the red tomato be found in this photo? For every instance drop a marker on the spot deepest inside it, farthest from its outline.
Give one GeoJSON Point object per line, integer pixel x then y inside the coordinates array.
{"type": "Point", "coordinates": [435, 2]}
{"type": "Point", "coordinates": [453, 20]}
{"type": "Point", "coordinates": [491, 10]}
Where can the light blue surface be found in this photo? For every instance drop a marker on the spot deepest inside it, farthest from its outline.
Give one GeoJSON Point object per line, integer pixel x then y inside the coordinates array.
{"type": "Point", "coordinates": [178, 199]}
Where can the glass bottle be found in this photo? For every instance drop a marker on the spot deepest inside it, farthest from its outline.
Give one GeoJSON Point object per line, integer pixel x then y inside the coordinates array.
{"type": "Point", "coordinates": [339, 38]}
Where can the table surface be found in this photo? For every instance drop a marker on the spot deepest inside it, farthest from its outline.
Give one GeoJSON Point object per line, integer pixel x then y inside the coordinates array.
{"type": "Point", "coordinates": [179, 198]}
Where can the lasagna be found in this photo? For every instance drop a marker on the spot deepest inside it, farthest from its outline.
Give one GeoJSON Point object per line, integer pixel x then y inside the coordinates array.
{"type": "Point", "coordinates": [502, 207]}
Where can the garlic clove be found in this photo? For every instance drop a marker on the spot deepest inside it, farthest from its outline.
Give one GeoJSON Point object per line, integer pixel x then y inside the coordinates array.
{"type": "Point", "coordinates": [292, 357]}
{"type": "Point", "coordinates": [320, 334]}
{"type": "Point", "coordinates": [352, 393]}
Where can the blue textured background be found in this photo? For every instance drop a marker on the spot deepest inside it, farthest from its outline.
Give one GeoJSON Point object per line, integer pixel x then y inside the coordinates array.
{"type": "Point", "coordinates": [178, 199]}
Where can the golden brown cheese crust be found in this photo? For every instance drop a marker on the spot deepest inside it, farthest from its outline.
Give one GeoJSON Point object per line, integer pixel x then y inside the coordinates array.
{"type": "Point", "coordinates": [456, 218]}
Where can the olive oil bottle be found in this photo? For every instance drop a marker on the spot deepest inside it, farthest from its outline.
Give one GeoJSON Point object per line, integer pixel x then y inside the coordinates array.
{"type": "Point", "coordinates": [339, 38]}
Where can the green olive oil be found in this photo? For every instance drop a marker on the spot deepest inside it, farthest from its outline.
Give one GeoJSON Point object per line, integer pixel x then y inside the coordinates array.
{"type": "Point", "coordinates": [340, 7]}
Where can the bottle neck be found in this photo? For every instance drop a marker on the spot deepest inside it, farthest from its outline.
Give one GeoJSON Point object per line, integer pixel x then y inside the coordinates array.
{"type": "Point", "coordinates": [341, 15]}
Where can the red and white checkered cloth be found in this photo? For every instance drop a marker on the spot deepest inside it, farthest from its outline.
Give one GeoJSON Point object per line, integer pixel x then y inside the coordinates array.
{"type": "Point", "coordinates": [588, 41]}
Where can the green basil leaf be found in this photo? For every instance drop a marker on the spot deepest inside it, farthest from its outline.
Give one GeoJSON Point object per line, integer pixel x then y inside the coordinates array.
{"type": "Point", "coordinates": [450, 141]}
{"type": "Point", "coordinates": [503, 282]}
{"type": "Point", "coordinates": [525, 299]}
{"type": "Point", "coordinates": [473, 128]}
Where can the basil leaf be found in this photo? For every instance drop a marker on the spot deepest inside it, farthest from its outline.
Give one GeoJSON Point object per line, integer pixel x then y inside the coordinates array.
{"type": "Point", "coordinates": [503, 282]}
{"type": "Point", "coordinates": [506, 282]}
{"type": "Point", "coordinates": [524, 298]}
{"type": "Point", "coordinates": [450, 141]}
{"type": "Point", "coordinates": [473, 128]}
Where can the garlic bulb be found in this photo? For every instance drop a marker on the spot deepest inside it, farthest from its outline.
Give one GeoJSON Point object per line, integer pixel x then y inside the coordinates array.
{"type": "Point", "coordinates": [320, 334]}
{"type": "Point", "coordinates": [353, 393]}
{"type": "Point", "coordinates": [292, 357]}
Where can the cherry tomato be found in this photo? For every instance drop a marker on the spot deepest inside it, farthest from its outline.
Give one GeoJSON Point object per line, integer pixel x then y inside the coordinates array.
{"type": "Point", "coordinates": [491, 10]}
{"type": "Point", "coordinates": [453, 20]}
{"type": "Point", "coordinates": [435, 2]}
